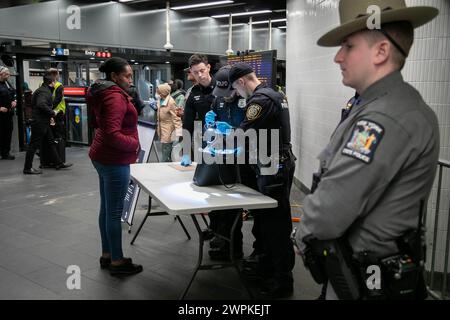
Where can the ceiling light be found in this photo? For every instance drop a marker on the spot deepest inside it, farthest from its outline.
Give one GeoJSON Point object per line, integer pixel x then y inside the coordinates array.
{"type": "Point", "coordinates": [283, 27]}
{"type": "Point", "coordinates": [132, 60]}
{"type": "Point", "coordinates": [125, 0]}
{"type": "Point", "coordinates": [200, 5]}
{"type": "Point", "coordinates": [242, 14]}
{"type": "Point", "coordinates": [267, 21]}
{"type": "Point", "coordinates": [167, 61]}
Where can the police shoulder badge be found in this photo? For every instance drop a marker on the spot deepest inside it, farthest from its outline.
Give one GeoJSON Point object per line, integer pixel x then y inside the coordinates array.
{"type": "Point", "coordinates": [253, 111]}
{"type": "Point", "coordinates": [364, 140]}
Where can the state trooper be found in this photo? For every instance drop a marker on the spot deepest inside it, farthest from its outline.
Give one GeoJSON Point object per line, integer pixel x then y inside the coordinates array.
{"type": "Point", "coordinates": [268, 109]}
{"type": "Point", "coordinates": [378, 169]}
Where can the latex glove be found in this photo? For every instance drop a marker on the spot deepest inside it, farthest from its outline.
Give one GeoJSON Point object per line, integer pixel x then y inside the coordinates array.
{"type": "Point", "coordinates": [186, 160]}
{"type": "Point", "coordinates": [238, 151]}
{"type": "Point", "coordinates": [210, 117]}
{"type": "Point", "coordinates": [223, 127]}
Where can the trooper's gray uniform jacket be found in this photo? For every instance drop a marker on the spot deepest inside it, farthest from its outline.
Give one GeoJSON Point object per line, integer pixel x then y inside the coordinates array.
{"type": "Point", "coordinates": [380, 162]}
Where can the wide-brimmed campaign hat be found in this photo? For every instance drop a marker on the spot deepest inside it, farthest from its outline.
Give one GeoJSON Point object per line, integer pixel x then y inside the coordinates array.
{"type": "Point", "coordinates": [354, 15]}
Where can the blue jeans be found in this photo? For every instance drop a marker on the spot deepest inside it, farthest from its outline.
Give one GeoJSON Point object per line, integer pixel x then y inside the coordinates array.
{"type": "Point", "coordinates": [114, 181]}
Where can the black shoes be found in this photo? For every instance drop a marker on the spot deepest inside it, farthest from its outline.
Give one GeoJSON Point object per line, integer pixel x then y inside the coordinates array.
{"type": "Point", "coordinates": [55, 166]}
{"type": "Point", "coordinates": [128, 268]}
{"type": "Point", "coordinates": [217, 243]}
{"type": "Point", "coordinates": [208, 234]}
{"type": "Point", "coordinates": [105, 262]}
{"type": "Point", "coordinates": [63, 165]}
{"type": "Point", "coordinates": [8, 157]}
{"type": "Point", "coordinates": [32, 171]}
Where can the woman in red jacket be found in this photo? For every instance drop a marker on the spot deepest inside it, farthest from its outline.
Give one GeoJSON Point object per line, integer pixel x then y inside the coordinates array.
{"type": "Point", "coordinates": [115, 146]}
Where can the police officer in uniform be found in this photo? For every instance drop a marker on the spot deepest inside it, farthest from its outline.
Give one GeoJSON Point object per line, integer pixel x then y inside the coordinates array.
{"type": "Point", "coordinates": [200, 99]}
{"type": "Point", "coordinates": [378, 168]}
{"type": "Point", "coordinates": [230, 108]}
{"type": "Point", "coordinates": [268, 109]}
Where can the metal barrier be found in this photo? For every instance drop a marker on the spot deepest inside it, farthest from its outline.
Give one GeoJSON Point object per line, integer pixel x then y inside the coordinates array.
{"type": "Point", "coordinates": [433, 273]}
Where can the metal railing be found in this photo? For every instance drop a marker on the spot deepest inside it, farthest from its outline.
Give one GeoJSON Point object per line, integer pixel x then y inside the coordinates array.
{"type": "Point", "coordinates": [433, 274]}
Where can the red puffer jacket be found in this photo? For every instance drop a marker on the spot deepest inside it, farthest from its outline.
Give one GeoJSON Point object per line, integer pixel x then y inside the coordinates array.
{"type": "Point", "coordinates": [113, 115]}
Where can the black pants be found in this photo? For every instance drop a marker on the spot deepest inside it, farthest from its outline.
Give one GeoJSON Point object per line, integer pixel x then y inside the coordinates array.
{"type": "Point", "coordinates": [274, 225]}
{"type": "Point", "coordinates": [6, 129]}
{"type": "Point", "coordinates": [40, 133]}
{"type": "Point", "coordinates": [222, 222]}
{"type": "Point", "coordinates": [59, 129]}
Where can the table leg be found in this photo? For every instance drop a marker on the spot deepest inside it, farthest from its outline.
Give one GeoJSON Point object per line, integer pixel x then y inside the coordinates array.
{"type": "Point", "coordinates": [177, 217]}
{"type": "Point", "coordinates": [200, 255]}
{"type": "Point", "coordinates": [233, 260]}
{"type": "Point", "coordinates": [143, 221]}
{"type": "Point", "coordinates": [205, 221]}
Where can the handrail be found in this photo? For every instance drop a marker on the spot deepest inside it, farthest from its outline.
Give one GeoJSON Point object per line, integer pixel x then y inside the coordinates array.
{"type": "Point", "coordinates": [443, 288]}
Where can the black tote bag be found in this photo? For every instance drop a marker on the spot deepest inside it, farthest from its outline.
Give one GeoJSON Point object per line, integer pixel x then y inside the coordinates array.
{"type": "Point", "coordinates": [216, 174]}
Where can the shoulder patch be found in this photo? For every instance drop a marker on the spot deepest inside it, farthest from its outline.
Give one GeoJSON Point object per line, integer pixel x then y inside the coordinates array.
{"type": "Point", "coordinates": [364, 140]}
{"type": "Point", "coordinates": [253, 111]}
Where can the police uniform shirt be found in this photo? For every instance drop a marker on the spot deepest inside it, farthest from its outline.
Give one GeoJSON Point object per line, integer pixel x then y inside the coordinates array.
{"type": "Point", "coordinates": [232, 112]}
{"type": "Point", "coordinates": [261, 112]}
{"type": "Point", "coordinates": [198, 103]}
{"type": "Point", "coordinates": [380, 162]}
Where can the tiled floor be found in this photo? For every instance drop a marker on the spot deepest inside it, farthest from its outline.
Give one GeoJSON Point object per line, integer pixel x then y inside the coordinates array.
{"type": "Point", "coordinates": [49, 222]}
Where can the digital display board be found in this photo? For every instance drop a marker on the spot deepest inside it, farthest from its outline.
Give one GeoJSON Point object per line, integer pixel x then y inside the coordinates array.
{"type": "Point", "coordinates": [263, 62]}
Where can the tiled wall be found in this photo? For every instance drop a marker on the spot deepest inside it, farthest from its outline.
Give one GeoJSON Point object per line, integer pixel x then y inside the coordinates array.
{"type": "Point", "coordinates": [316, 93]}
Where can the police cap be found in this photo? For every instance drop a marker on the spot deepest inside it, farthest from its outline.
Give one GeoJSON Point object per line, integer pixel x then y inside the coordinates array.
{"type": "Point", "coordinates": [239, 70]}
{"type": "Point", "coordinates": [223, 85]}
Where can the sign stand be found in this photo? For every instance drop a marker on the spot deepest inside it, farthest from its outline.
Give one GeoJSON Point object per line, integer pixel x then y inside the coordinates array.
{"type": "Point", "coordinates": [146, 131]}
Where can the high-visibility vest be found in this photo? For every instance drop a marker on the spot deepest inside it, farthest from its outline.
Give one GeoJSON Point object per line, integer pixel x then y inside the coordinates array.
{"type": "Point", "coordinates": [62, 105]}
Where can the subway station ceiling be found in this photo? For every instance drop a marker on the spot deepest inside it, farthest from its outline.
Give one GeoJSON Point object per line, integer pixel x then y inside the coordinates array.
{"type": "Point", "coordinates": [277, 8]}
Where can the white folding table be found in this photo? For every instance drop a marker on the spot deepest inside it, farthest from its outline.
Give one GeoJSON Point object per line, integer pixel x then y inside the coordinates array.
{"type": "Point", "coordinates": [172, 187]}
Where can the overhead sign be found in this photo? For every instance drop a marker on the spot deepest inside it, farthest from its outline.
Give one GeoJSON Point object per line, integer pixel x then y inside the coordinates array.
{"type": "Point", "coordinates": [103, 54]}
{"type": "Point", "coordinates": [60, 52]}
{"type": "Point", "coordinates": [75, 91]}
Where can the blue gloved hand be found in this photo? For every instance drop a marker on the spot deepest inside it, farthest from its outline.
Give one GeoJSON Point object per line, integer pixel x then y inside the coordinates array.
{"type": "Point", "coordinates": [210, 117]}
{"type": "Point", "coordinates": [186, 160]}
{"type": "Point", "coordinates": [223, 127]}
